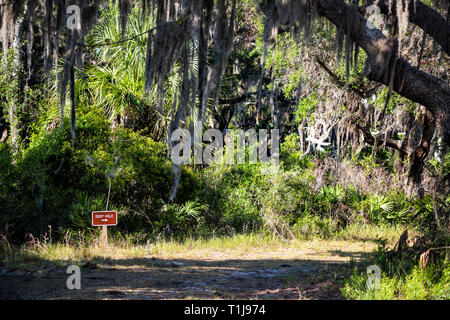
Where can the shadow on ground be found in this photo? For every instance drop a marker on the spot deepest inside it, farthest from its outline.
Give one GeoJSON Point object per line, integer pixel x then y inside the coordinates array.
{"type": "Point", "coordinates": [154, 278]}
{"type": "Point", "coordinates": [346, 254]}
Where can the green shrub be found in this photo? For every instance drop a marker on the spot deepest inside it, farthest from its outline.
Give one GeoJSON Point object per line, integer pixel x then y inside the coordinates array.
{"type": "Point", "coordinates": [401, 278]}
{"type": "Point", "coordinates": [232, 195]}
{"type": "Point", "coordinates": [309, 226]}
{"type": "Point", "coordinates": [291, 155]}
{"type": "Point", "coordinates": [80, 211]}
{"type": "Point", "coordinates": [419, 284]}
{"type": "Point", "coordinates": [182, 219]}
{"type": "Point", "coordinates": [53, 183]}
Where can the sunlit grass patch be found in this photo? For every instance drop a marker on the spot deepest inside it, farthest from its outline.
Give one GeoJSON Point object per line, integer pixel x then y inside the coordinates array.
{"type": "Point", "coordinates": [387, 233]}
{"type": "Point", "coordinates": [240, 246]}
{"type": "Point", "coordinates": [420, 284]}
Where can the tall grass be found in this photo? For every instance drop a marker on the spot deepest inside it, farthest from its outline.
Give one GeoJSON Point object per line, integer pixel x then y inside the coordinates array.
{"type": "Point", "coordinates": [433, 282]}
{"type": "Point", "coordinates": [38, 251]}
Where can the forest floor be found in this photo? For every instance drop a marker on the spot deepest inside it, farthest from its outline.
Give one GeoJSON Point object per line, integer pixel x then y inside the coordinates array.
{"type": "Point", "coordinates": [242, 268]}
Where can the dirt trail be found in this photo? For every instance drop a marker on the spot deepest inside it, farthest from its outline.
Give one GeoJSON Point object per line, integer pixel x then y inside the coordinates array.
{"type": "Point", "coordinates": [312, 270]}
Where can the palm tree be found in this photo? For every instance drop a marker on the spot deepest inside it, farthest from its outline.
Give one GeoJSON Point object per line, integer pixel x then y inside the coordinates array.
{"type": "Point", "coordinates": [114, 80]}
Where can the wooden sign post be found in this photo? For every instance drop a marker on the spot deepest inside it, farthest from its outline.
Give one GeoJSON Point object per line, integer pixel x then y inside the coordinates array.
{"type": "Point", "coordinates": [105, 236]}
{"type": "Point", "coordinates": [104, 219]}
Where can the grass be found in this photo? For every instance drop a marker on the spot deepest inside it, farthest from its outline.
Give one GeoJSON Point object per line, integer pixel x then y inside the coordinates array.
{"type": "Point", "coordinates": [255, 245]}
{"type": "Point", "coordinates": [433, 283]}
{"type": "Point", "coordinates": [402, 277]}
{"type": "Point", "coordinates": [356, 246]}
{"type": "Point", "coordinates": [368, 232]}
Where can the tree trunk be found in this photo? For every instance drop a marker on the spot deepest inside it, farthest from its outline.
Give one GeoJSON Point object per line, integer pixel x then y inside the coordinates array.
{"type": "Point", "coordinates": [18, 76]}
{"type": "Point", "coordinates": [48, 61]}
{"type": "Point", "coordinates": [223, 44]}
{"type": "Point", "coordinates": [418, 86]}
{"type": "Point", "coordinates": [180, 115]}
{"type": "Point", "coordinates": [420, 154]}
{"type": "Point", "coordinates": [424, 17]}
{"type": "Point", "coordinates": [72, 100]}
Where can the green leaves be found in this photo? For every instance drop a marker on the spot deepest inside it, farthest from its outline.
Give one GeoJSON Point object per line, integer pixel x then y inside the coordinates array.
{"type": "Point", "coordinates": [182, 218]}
{"type": "Point", "coordinates": [393, 207]}
{"type": "Point", "coordinates": [305, 108]}
{"type": "Point", "coordinates": [82, 206]}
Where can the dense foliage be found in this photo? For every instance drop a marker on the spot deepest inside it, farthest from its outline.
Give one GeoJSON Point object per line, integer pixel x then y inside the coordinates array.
{"type": "Point", "coordinates": [350, 151]}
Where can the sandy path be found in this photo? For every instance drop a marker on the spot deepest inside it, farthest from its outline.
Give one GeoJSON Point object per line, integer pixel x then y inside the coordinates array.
{"type": "Point", "coordinates": [311, 270]}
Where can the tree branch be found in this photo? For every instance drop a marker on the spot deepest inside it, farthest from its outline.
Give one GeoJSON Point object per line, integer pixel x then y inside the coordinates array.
{"type": "Point", "coordinates": [369, 139]}
{"type": "Point", "coordinates": [424, 17]}
{"type": "Point", "coordinates": [338, 80]}
{"type": "Point", "coordinates": [410, 82]}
